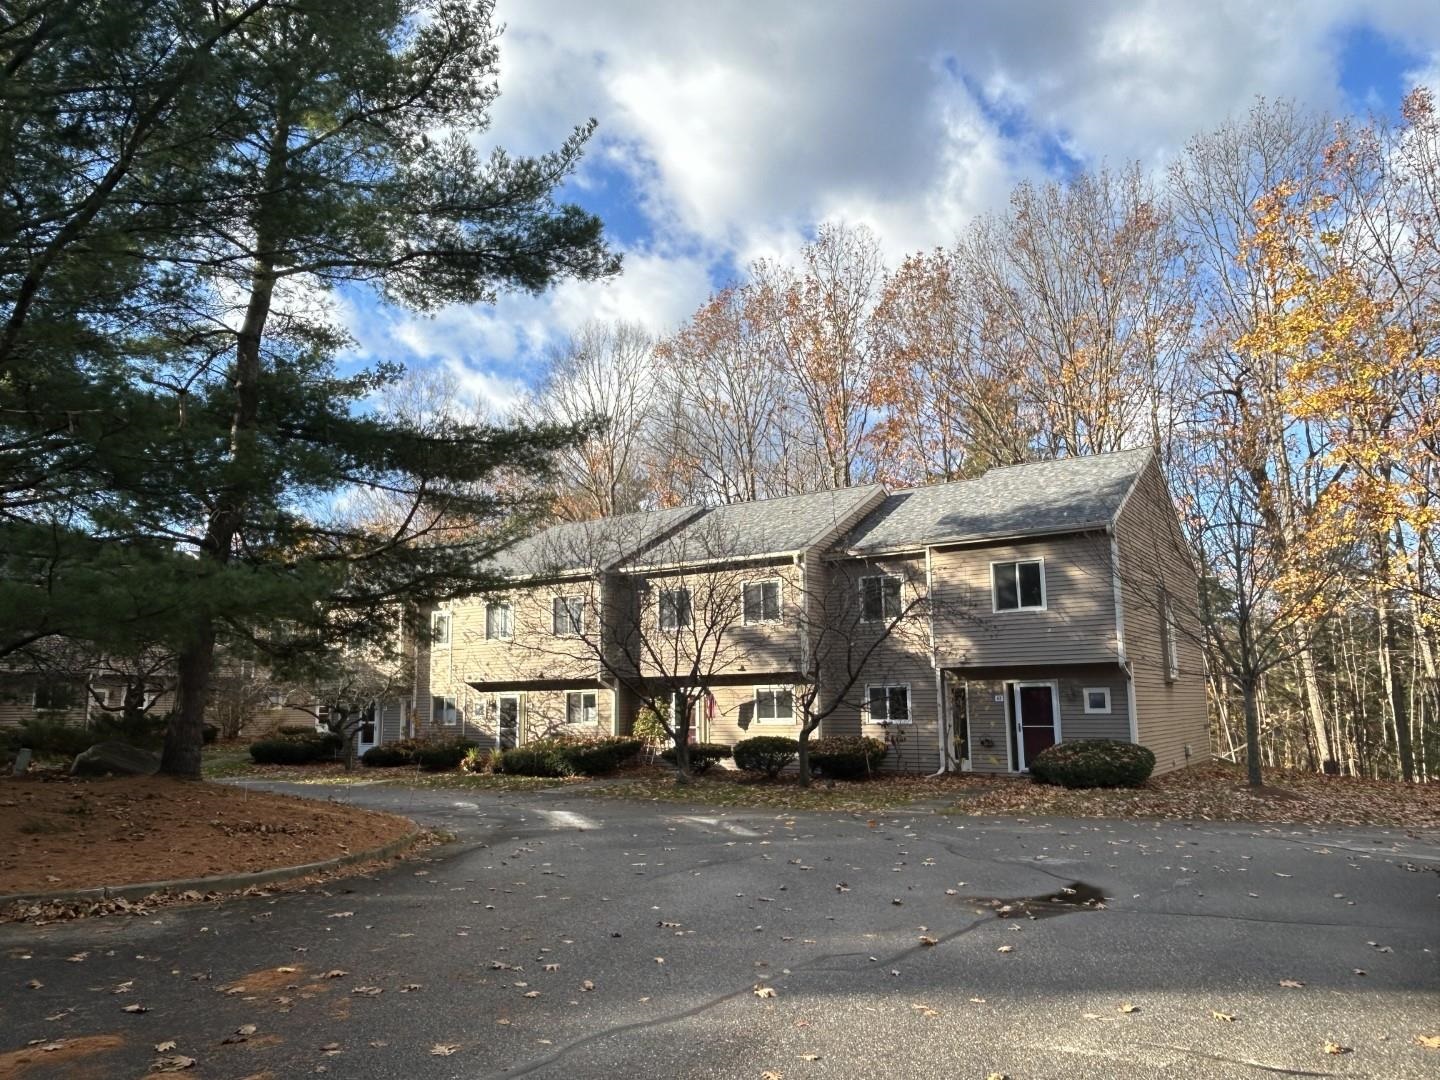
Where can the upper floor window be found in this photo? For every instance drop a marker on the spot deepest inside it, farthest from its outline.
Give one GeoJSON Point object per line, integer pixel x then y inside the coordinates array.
{"type": "Point", "coordinates": [567, 616]}
{"type": "Point", "coordinates": [1018, 585]}
{"type": "Point", "coordinates": [1172, 640]}
{"type": "Point", "coordinates": [581, 707]}
{"type": "Point", "coordinates": [499, 621]}
{"type": "Point", "coordinates": [774, 704]}
{"type": "Point", "coordinates": [888, 704]}
{"type": "Point", "coordinates": [879, 598]}
{"type": "Point", "coordinates": [762, 601]}
{"type": "Point", "coordinates": [674, 609]}
{"type": "Point", "coordinates": [114, 697]}
{"type": "Point", "coordinates": [440, 628]}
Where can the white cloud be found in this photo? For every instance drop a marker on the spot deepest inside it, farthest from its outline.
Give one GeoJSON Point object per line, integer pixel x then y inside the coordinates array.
{"type": "Point", "coordinates": [740, 127]}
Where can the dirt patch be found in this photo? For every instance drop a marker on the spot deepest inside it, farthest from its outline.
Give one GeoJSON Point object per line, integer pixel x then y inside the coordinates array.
{"type": "Point", "coordinates": [62, 1055]}
{"type": "Point", "coordinates": [59, 834]}
{"type": "Point", "coordinates": [266, 981]}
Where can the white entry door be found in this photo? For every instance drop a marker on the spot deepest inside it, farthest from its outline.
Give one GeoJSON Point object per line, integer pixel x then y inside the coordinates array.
{"type": "Point", "coordinates": [507, 726]}
{"type": "Point", "coordinates": [368, 733]}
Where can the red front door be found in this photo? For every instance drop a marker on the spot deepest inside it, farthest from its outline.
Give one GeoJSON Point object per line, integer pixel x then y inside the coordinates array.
{"type": "Point", "coordinates": [1036, 722]}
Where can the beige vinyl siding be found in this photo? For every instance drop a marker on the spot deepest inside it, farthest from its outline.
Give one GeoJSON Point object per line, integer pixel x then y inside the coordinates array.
{"type": "Point", "coordinates": [900, 657]}
{"type": "Point", "coordinates": [543, 714]}
{"type": "Point", "coordinates": [732, 717]}
{"type": "Point", "coordinates": [989, 720]}
{"type": "Point", "coordinates": [770, 648]}
{"type": "Point", "coordinates": [532, 653]}
{"type": "Point", "coordinates": [17, 696]}
{"type": "Point", "coordinates": [1076, 626]}
{"type": "Point", "coordinates": [1171, 715]}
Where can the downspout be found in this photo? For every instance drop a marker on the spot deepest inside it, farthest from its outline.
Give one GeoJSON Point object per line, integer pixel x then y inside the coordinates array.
{"type": "Point", "coordinates": [942, 711]}
{"type": "Point", "coordinates": [1120, 652]}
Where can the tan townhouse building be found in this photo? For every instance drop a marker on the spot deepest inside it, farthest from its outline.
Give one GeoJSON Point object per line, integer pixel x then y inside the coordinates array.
{"type": "Point", "coordinates": [969, 624]}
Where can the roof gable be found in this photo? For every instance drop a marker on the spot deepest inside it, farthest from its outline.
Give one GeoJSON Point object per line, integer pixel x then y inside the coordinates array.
{"type": "Point", "coordinates": [1042, 497]}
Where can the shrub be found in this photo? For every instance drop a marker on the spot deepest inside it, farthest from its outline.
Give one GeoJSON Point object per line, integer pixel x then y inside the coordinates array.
{"type": "Point", "coordinates": [847, 757]}
{"type": "Point", "coordinates": [387, 756]}
{"type": "Point", "coordinates": [437, 755]}
{"type": "Point", "coordinates": [535, 759]}
{"type": "Point", "coordinates": [53, 736]}
{"type": "Point", "coordinates": [702, 755]}
{"type": "Point", "coordinates": [766, 753]}
{"type": "Point", "coordinates": [570, 756]}
{"type": "Point", "coordinates": [136, 729]}
{"type": "Point", "coordinates": [296, 749]}
{"type": "Point", "coordinates": [475, 760]}
{"type": "Point", "coordinates": [1087, 763]}
{"type": "Point", "coordinates": [649, 726]}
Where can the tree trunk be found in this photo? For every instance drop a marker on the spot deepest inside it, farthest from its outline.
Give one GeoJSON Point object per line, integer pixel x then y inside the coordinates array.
{"type": "Point", "coordinates": [1252, 731]}
{"type": "Point", "coordinates": [1314, 703]}
{"type": "Point", "coordinates": [185, 730]}
{"type": "Point", "coordinates": [680, 721]}
{"type": "Point", "coordinates": [1395, 691]}
{"type": "Point", "coordinates": [802, 759]}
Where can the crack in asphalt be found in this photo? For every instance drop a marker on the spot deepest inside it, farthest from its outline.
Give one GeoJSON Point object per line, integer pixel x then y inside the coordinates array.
{"type": "Point", "coordinates": [1247, 1062]}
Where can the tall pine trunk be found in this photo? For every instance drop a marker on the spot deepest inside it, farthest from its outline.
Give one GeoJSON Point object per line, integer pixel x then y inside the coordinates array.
{"type": "Point", "coordinates": [1249, 695]}
{"type": "Point", "coordinates": [185, 734]}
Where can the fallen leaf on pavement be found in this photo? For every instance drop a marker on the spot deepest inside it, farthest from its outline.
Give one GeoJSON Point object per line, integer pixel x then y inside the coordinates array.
{"type": "Point", "coordinates": [1429, 1042]}
{"type": "Point", "coordinates": [1006, 948]}
{"type": "Point", "coordinates": [444, 1049]}
{"type": "Point", "coordinates": [1129, 1008]}
{"type": "Point", "coordinates": [335, 973]}
{"type": "Point", "coordinates": [764, 992]}
{"type": "Point", "coordinates": [1227, 1017]}
{"type": "Point", "coordinates": [173, 1063]}
{"type": "Point", "coordinates": [926, 940]}
{"type": "Point", "coordinates": [136, 1008]}
{"type": "Point", "coordinates": [1336, 1048]}
{"type": "Point", "coordinates": [1293, 984]}
{"type": "Point", "coordinates": [34, 984]}
{"type": "Point", "coordinates": [165, 1047]}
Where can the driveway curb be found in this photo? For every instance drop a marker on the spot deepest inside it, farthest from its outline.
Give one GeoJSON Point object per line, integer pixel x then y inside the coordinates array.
{"type": "Point", "coordinates": [221, 882]}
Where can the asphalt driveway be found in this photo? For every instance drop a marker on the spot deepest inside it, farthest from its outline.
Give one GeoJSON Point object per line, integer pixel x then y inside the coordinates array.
{"type": "Point", "coordinates": [571, 937]}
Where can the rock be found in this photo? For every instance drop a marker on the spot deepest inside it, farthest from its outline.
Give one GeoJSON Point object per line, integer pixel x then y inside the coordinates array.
{"type": "Point", "coordinates": [115, 757]}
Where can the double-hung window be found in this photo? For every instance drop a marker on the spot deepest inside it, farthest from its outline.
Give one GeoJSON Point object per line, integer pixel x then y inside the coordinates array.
{"type": "Point", "coordinates": [674, 609]}
{"type": "Point", "coordinates": [1172, 640]}
{"type": "Point", "coordinates": [1018, 585]}
{"type": "Point", "coordinates": [54, 695]}
{"type": "Point", "coordinates": [499, 621]}
{"type": "Point", "coordinates": [567, 616]}
{"type": "Point", "coordinates": [774, 705]}
{"type": "Point", "coordinates": [879, 598]}
{"type": "Point", "coordinates": [444, 710]}
{"type": "Point", "coordinates": [581, 708]}
{"type": "Point", "coordinates": [440, 628]}
{"type": "Point", "coordinates": [762, 600]}
{"type": "Point", "coordinates": [888, 703]}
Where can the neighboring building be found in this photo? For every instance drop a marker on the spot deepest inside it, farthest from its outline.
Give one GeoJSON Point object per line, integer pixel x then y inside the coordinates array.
{"type": "Point", "coordinates": [992, 617]}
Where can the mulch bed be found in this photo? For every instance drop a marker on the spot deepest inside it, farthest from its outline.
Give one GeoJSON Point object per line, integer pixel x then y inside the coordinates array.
{"type": "Point", "coordinates": [59, 834]}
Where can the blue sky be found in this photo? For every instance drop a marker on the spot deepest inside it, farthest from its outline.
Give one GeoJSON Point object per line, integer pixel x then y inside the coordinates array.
{"type": "Point", "coordinates": [729, 130]}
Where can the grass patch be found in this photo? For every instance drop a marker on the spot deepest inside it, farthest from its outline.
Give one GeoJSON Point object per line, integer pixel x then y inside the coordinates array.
{"type": "Point", "coordinates": [885, 792]}
{"type": "Point", "coordinates": [1215, 792]}
{"type": "Point", "coordinates": [232, 761]}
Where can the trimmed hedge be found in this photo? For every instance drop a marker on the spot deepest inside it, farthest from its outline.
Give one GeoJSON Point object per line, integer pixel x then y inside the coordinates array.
{"type": "Point", "coordinates": [296, 749]}
{"type": "Point", "coordinates": [387, 756]}
{"type": "Point", "coordinates": [766, 753]}
{"type": "Point", "coordinates": [46, 736]}
{"type": "Point", "coordinates": [847, 757]}
{"type": "Point", "coordinates": [569, 757]}
{"type": "Point", "coordinates": [1093, 763]}
{"type": "Point", "coordinates": [438, 755]}
{"type": "Point", "coordinates": [702, 755]}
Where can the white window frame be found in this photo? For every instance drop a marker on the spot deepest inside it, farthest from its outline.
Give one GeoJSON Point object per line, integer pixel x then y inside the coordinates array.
{"type": "Point", "coordinates": [781, 721]}
{"type": "Point", "coordinates": [995, 607]}
{"type": "Point", "coordinates": [450, 712]}
{"type": "Point", "coordinates": [899, 597]}
{"type": "Point", "coordinates": [887, 687]}
{"type": "Point", "coordinates": [779, 602]}
{"type": "Point", "coordinates": [1171, 644]}
{"type": "Point", "coordinates": [509, 620]}
{"type": "Point", "coordinates": [1104, 710]}
{"type": "Point", "coordinates": [572, 630]}
{"type": "Point", "coordinates": [438, 618]}
{"type": "Point", "coordinates": [675, 624]}
{"type": "Point", "coordinates": [581, 695]}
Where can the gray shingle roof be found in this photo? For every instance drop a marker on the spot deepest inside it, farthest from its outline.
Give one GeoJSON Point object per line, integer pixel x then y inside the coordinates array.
{"type": "Point", "coordinates": [765, 527]}
{"type": "Point", "coordinates": [1047, 496]}
{"type": "Point", "coordinates": [581, 546]}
